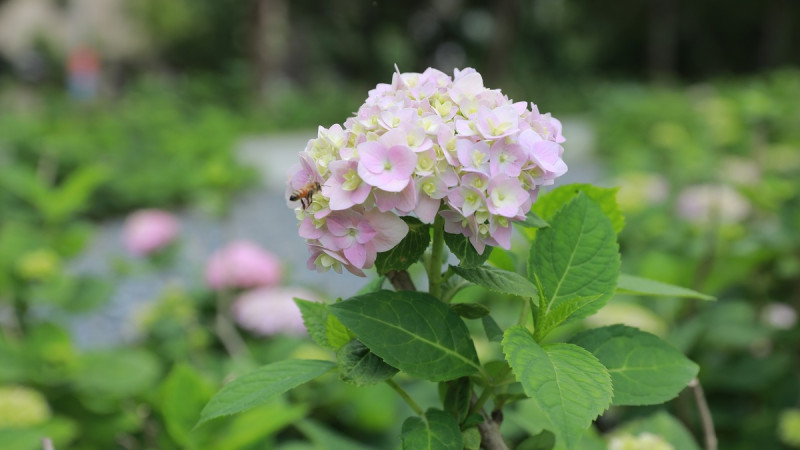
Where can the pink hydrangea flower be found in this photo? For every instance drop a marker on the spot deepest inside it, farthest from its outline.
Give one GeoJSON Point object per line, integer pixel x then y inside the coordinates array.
{"type": "Point", "coordinates": [268, 311]}
{"type": "Point", "coordinates": [148, 230]}
{"type": "Point", "coordinates": [241, 265]}
{"type": "Point", "coordinates": [425, 144]}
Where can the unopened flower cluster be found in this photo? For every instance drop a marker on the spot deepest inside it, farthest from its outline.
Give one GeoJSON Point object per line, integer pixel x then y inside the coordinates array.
{"type": "Point", "coordinates": [426, 144]}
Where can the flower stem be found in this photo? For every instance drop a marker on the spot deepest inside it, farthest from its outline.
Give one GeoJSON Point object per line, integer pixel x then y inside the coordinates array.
{"type": "Point", "coordinates": [226, 330]}
{"type": "Point", "coordinates": [435, 265]}
{"type": "Point", "coordinates": [705, 415]}
{"type": "Point", "coordinates": [410, 401]}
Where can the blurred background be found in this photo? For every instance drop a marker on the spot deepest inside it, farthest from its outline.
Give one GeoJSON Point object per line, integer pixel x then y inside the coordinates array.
{"type": "Point", "coordinates": [144, 145]}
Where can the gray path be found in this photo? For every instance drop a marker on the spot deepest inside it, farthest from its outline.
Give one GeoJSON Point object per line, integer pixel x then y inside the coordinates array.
{"type": "Point", "coordinates": [260, 215]}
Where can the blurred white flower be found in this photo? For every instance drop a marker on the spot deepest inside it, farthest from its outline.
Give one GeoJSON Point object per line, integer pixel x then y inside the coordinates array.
{"type": "Point", "coordinates": [779, 315]}
{"type": "Point", "coordinates": [644, 441]}
{"type": "Point", "coordinates": [740, 171]}
{"type": "Point", "coordinates": [268, 311]}
{"type": "Point", "coordinates": [701, 204]}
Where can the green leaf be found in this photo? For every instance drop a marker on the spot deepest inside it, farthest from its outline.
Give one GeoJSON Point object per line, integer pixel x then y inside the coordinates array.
{"type": "Point", "coordinates": [629, 284]}
{"type": "Point", "coordinates": [460, 246]}
{"type": "Point", "coordinates": [548, 205]}
{"type": "Point", "coordinates": [497, 280]}
{"type": "Point", "coordinates": [493, 331]}
{"type": "Point", "coordinates": [117, 374]}
{"type": "Point", "coordinates": [664, 425]}
{"type": "Point", "coordinates": [575, 262]}
{"type": "Point", "coordinates": [374, 285]}
{"type": "Point", "coordinates": [472, 438]}
{"type": "Point", "coordinates": [644, 369]}
{"type": "Point", "coordinates": [542, 441]}
{"type": "Point", "coordinates": [567, 383]}
{"type": "Point", "coordinates": [532, 220]}
{"type": "Point", "coordinates": [457, 396]}
{"type": "Point", "coordinates": [183, 394]}
{"type": "Point", "coordinates": [336, 333]}
{"type": "Point", "coordinates": [566, 309]}
{"type": "Point", "coordinates": [412, 331]}
{"type": "Point", "coordinates": [470, 310]}
{"type": "Point", "coordinates": [438, 430]}
{"type": "Point", "coordinates": [325, 438]}
{"type": "Point", "coordinates": [315, 318]}
{"type": "Point", "coordinates": [408, 251]}
{"type": "Point", "coordinates": [262, 385]}
{"type": "Point", "coordinates": [358, 365]}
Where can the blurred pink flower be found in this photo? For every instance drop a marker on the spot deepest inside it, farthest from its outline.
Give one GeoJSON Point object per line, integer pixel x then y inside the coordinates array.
{"type": "Point", "coordinates": [242, 264]}
{"type": "Point", "coordinates": [148, 230]}
{"type": "Point", "coordinates": [267, 311]}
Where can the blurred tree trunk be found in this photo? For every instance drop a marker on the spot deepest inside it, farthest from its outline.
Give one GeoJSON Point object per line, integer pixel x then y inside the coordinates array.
{"type": "Point", "coordinates": [269, 29]}
{"type": "Point", "coordinates": [506, 17]}
{"type": "Point", "coordinates": [662, 39]}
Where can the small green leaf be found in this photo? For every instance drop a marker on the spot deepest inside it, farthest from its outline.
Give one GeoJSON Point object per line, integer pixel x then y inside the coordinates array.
{"type": "Point", "coordinates": [262, 385]}
{"type": "Point", "coordinates": [576, 259]}
{"type": "Point", "coordinates": [493, 331]}
{"type": "Point", "coordinates": [438, 430]}
{"type": "Point", "coordinates": [532, 220]}
{"type": "Point", "coordinates": [497, 280]}
{"type": "Point", "coordinates": [374, 285]}
{"type": "Point", "coordinates": [412, 331]}
{"type": "Point", "coordinates": [548, 205]}
{"type": "Point", "coordinates": [629, 284]}
{"type": "Point", "coordinates": [408, 251]}
{"type": "Point", "coordinates": [565, 309]}
{"type": "Point", "coordinates": [644, 369]}
{"type": "Point", "coordinates": [360, 366]}
{"type": "Point", "coordinates": [567, 383]}
{"type": "Point", "coordinates": [472, 438]}
{"type": "Point", "coordinates": [336, 333]}
{"type": "Point", "coordinates": [315, 318]}
{"type": "Point", "coordinates": [467, 256]}
{"type": "Point", "coordinates": [470, 310]}
{"type": "Point", "coordinates": [457, 396]}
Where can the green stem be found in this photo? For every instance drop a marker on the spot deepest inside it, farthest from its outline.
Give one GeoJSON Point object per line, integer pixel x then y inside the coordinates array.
{"type": "Point", "coordinates": [226, 331]}
{"type": "Point", "coordinates": [410, 401]}
{"type": "Point", "coordinates": [435, 266]}
{"type": "Point", "coordinates": [487, 392]}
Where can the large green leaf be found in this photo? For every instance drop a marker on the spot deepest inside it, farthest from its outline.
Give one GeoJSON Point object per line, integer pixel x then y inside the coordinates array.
{"type": "Point", "coordinates": [460, 246]}
{"type": "Point", "coordinates": [438, 430]}
{"type": "Point", "coordinates": [644, 369]}
{"type": "Point", "coordinates": [577, 257]}
{"type": "Point", "coordinates": [548, 205]}
{"type": "Point", "coordinates": [117, 374]}
{"type": "Point", "coordinates": [358, 365]}
{"type": "Point", "coordinates": [408, 251]}
{"type": "Point", "coordinates": [183, 395]}
{"type": "Point", "coordinates": [497, 280]}
{"type": "Point", "coordinates": [412, 331]}
{"type": "Point", "coordinates": [568, 384]}
{"type": "Point", "coordinates": [262, 385]}
{"type": "Point", "coordinates": [629, 284]}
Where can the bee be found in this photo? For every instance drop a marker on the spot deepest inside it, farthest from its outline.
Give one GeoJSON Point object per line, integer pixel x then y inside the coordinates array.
{"type": "Point", "coordinates": [305, 193]}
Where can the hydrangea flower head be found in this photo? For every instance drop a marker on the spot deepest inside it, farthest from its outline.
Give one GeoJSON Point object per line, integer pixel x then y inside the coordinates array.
{"type": "Point", "coordinates": [427, 144]}
{"type": "Point", "coordinates": [242, 264]}
{"type": "Point", "coordinates": [148, 230]}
